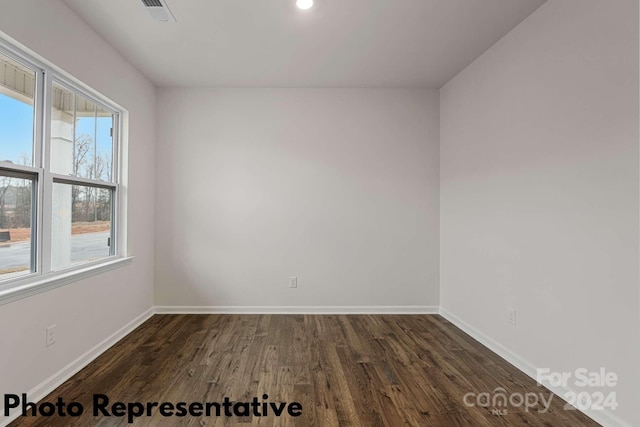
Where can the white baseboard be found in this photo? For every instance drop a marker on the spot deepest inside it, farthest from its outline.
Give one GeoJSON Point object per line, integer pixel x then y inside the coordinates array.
{"type": "Point", "coordinates": [56, 380]}
{"type": "Point", "coordinates": [401, 309]}
{"type": "Point", "coordinates": [605, 417]}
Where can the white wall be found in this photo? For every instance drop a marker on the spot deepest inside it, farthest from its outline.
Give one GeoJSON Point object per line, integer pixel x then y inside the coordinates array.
{"type": "Point", "coordinates": [338, 187]}
{"type": "Point", "coordinates": [89, 311]}
{"type": "Point", "coordinates": [539, 191]}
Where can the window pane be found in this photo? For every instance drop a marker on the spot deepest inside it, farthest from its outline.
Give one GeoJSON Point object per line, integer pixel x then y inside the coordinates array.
{"type": "Point", "coordinates": [16, 195]}
{"type": "Point", "coordinates": [17, 87]}
{"type": "Point", "coordinates": [104, 146]}
{"type": "Point", "coordinates": [81, 142]}
{"type": "Point", "coordinates": [85, 142]}
{"type": "Point", "coordinates": [81, 224]}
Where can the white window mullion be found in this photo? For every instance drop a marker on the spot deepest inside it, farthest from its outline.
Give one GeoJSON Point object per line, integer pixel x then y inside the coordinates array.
{"type": "Point", "coordinates": [47, 181]}
{"type": "Point", "coordinates": [38, 162]}
{"type": "Point", "coordinates": [118, 231]}
{"type": "Point", "coordinates": [36, 228]}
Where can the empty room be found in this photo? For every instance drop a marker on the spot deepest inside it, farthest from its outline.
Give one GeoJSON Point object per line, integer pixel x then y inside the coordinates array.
{"type": "Point", "coordinates": [319, 213]}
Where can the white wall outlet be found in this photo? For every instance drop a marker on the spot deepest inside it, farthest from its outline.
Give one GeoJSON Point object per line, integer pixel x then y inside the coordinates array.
{"type": "Point", "coordinates": [51, 335]}
{"type": "Point", "coordinates": [512, 316]}
{"type": "Point", "coordinates": [293, 282]}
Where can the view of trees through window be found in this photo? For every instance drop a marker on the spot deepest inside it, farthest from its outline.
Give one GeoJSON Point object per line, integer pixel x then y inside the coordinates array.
{"type": "Point", "coordinates": [89, 231]}
{"type": "Point", "coordinates": [80, 150]}
{"type": "Point", "coordinates": [15, 224]}
{"type": "Point", "coordinates": [15, 203]}
{"type": "Point", "coordinates": [88, 203]}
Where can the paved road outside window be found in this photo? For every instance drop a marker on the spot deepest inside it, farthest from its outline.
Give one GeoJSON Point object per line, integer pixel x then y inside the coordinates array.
{"type": "Point", "coordinates": [84, 247]}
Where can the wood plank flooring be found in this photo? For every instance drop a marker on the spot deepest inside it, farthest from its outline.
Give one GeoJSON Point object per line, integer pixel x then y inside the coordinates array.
{"type": "Point", "coordinates": [356, 370]}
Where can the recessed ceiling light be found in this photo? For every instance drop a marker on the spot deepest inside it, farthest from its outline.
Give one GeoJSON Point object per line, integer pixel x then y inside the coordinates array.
{"type": "Point", "coordinates": [304, 4]}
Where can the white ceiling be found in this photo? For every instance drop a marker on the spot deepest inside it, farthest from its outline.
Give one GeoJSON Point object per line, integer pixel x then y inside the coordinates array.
{"type": "Point", "coordinates": [337, 43]}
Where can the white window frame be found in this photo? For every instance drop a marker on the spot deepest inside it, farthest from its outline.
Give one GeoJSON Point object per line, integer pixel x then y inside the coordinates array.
{"type": "Point", "coordinates": [43, 277]}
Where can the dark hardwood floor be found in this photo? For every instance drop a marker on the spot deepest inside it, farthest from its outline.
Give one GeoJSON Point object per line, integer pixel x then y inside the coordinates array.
{"type": "Point", "coordinates": [357, 370]}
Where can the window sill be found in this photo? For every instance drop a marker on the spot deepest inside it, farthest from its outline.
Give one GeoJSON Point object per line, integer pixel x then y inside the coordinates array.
{"type": "Point", "coordinates": [35, 285]}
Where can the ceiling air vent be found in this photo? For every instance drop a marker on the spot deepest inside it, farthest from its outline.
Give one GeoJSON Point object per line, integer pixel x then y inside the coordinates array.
{"type": "Point", "coordinates": [159, 10]}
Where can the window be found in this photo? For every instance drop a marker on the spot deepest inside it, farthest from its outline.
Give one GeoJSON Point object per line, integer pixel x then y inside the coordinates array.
{"type": "Point", "coordinates": [81, 147]}
{"type": "Point", "coordinates": [16, 220]}
{"type": "Point", "coordinates": [59, 178]}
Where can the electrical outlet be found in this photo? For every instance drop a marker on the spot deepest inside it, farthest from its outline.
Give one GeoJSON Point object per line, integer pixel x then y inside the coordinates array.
{"type": "Point", "coordinates": [512, 316]}
{"type": "Point", "coordinates": [293, 282]}
{"type": "Point", "coordinates": [51, 335]}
